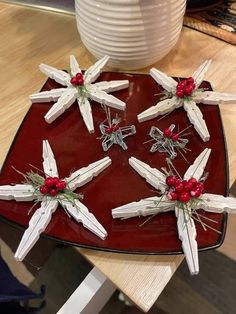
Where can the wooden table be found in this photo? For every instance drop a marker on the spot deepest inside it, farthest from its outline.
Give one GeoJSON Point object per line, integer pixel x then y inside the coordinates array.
{"type": "Point", "coordinates": [29, 37]}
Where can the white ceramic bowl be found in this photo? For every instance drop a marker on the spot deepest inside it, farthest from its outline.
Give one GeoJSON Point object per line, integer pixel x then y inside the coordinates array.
{"type": "Point", "coordinates": [134, 33]}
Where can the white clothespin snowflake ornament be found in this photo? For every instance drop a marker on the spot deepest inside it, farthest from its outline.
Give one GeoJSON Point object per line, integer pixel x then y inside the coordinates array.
{"type": "Point", "coordinates": [168, 141]}
{"type": "Point", "coordinates": [186, 94]}
{"type": "Point", "coordinates": [112, 133]}
{"type": "Point", "coordinates": [184, 197]}
{"type": "Point", "coordinates": [51, 191]}
{"type": "Point", "coordinates": [79, 87]}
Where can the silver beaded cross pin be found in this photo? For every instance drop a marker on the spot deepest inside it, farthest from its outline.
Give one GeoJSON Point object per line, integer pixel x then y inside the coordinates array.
{"type": "Point", "coordinates": [112, 133]}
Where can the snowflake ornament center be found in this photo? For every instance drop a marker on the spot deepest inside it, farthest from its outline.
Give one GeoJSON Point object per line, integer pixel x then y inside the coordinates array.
{"type": "Point", "coordinates": [167, 133]}
{"type": "Point", "coordinates": [183, 190]}
{"type": "Point", "coordinates": [185, 88]}
{"type": "Point", "coordinates": [77, 80]}
{"type": "Point", "coordinates": [52, 186]}
{"type": "Point", "coordinates": [112, 129]}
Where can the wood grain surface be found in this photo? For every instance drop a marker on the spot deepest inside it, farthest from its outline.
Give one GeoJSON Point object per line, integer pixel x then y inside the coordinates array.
{"type": "Point", "coordinates": [29, 37]}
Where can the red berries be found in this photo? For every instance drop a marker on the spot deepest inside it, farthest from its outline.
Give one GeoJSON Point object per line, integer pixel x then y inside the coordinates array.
{"type": "Point", "coordinates": [73, 81]}
{"type": "Point", "coordinates": [50, 182]}
{"type": "Point", "coordinates": [185, 88]}
{"type": "Point", "coordinates": [179, 187]}
{"type": "Point", "coordinates": [172, 180]}
{"type": "Point", "coordinates": [77, 80]}
{"type": "Point", "coordinates": [180, 93]}
{"type": "Point", "coordinates": [183, 190]}
{"type": "Point", "coordinates": [53, 192]}
{"type": "Point", "coordinates": [61, 185]}
{"type": "Point", "coordinates": [167, 132]}
{"type": "Point", "coordinates": [173, 196]}
{"type": "Point", "coordinates": [43, 189]}
{"type": "Point", "coordinates": [175, 137]}
{"type": "Point", "coordinates": [171, 135]}
{"type": "Point", "coordinates": [52, 186]}
{"type": "Point", "coordinates": [112, 129]}
{"type": "Point", "coordinates": [184, 197]}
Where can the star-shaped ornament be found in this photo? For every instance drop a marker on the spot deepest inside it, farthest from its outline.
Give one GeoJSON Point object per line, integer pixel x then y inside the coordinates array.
{"type": "Point", "coordinates": [79, 87]}
{"type": "Point", "coordinates": [186, 94]}
{"type": "Point", "coordinates": [51, 191]}
{"type": "Point", "coordinates": [184, 197]}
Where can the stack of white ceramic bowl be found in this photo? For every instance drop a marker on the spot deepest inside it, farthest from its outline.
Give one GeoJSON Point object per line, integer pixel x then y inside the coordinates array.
{"type": "Point", "coordinates": [134, 33]}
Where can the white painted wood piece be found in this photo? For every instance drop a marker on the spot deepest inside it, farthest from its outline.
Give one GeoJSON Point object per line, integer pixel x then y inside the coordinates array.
{"type": "Point", "coordinates": [84, 175]}
{"type": "Point", "coordinates": [196, 118]}
{"type": "Point", "coordinates": [74, 66]}
{"type": "Point", "coordinates": [65, 97]}
{"type": "Point", "coordinates": [63, 103]}
{"type": "Point", "coordinates": [81, 214]}
{"type": "Point", "coordinates": [152, 175]}
{"type": "Point", "coordinates": [162, 107]}
{"type": "Point", "coordinates": [103, 98]}
{"type": "Point", "coordinates": [91, 295]}
{"type": "Point", "coordinates": [199, 74]}
{"type": "Point", "coordinates": [86, 113]}
{"type": "Point", "coordinates": [59, 76]}
{"type": "Point", "coordinates": [145, 207]}
{"type": "Point", "coordinates": [217, 203]}
{"type": "Point", "coordinates": [214, 98]}
{"type": "Point", "coordinates": [111, 86]}
{"type": "Point", "coordinates": [46, 96]}
{"type": "Point", "coordinates": [49, 162]}
{"type": "Point", "coordinates": [37, 225]}
{"type": "Point", "coordinates": [187, 234]}
{"type": "Point", "coordinates": [185, 224]}
{"type": "Point", "coordinates": [95, 70]}
{"type": "Point", "coordinates": [167, 82]}
{"type": "Point", "coordinates": [197, 168]}
{"type": "Point", "coordinates": [18, 192]}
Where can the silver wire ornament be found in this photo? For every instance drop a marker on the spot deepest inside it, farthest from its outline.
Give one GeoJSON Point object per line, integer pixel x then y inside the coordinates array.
{"type": "Point", "coordinates": [168, 141]}
{"type": "Point", "coordinates": [112, 133]}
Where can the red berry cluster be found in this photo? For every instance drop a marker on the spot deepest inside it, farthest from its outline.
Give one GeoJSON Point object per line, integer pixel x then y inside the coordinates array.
{"type": "Point", "coordinates": [172, 135]}
{"type": "Point", "coordinates": [185, 87]}
{"type": "Point", "coordinates": [77, 80]}
{"type": "Point", "coordinates": [183, 190]}
{"type": "Point", "coordinates": [112, 129]}
{"type": "Point", "coordinates": [52, 186]}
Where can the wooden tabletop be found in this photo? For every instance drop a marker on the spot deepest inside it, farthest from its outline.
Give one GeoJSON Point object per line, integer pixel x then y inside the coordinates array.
{"type": "Point", "coordinates": [29, 37]}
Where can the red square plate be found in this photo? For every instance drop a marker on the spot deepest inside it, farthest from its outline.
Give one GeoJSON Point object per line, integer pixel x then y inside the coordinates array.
{"type": "Point", "coordinates": [119, 184]}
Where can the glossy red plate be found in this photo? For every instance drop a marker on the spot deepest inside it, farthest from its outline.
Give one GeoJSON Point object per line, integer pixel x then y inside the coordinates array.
{"type": "Point", "coordinates": [119, 184]}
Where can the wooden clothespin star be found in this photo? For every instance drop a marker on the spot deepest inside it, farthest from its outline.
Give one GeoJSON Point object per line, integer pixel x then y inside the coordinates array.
{"type": "Point", "coordinates": [51, 191]}
{"type": "Point", "coordinates": [79, 87]}
{"type": "Point", "coordinates": [184, 197]}
{"type": "Point", "coordinates": [186, 94]}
